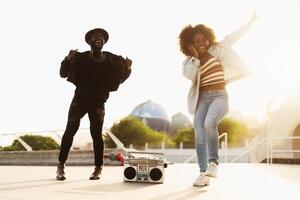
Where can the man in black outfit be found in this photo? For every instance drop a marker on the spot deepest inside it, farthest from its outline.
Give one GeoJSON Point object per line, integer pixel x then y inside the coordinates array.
{"type": "Point", "coordinates": [95, 73]}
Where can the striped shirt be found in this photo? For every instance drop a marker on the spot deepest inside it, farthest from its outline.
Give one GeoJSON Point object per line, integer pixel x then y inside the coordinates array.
{"type": "Point", "coordinates": [211, 73]}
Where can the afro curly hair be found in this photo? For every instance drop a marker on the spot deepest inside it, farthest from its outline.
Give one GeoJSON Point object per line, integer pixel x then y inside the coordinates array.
{"type": "Point", "coordinates": [187, 34]}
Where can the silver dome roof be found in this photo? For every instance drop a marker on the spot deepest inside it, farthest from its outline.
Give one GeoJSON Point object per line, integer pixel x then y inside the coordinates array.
{"type": "Point", "coordinates": [150, 109]}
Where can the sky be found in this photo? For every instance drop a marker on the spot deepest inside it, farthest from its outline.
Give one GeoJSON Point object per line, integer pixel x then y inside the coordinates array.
{"type": "Point", "coordinates": [37, 35]}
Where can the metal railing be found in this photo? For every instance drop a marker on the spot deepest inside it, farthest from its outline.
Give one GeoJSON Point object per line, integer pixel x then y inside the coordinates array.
{"type": "Point", "coordinates": [27, 147]}
{"type": "Point", "coordinates": [249, 150]}
{"type": "Point", "coordinates": [225, 135]}
{"type": "Point", "coordinates": [116, 140]}
{"type": "Point", "coordinates": [272, 150]}
{"type": "Point", "coordinates": [269, 148]}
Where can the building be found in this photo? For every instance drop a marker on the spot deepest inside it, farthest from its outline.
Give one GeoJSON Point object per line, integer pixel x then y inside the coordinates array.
{"type": "Point", "coordinates": [153, 115]}
{"type": "Point", "coordinates": [180, 121]}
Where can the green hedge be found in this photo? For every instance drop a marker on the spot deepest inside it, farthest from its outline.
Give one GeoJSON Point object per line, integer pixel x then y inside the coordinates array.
{"type": "Point", "coordinates": [36, 142]}
{"type": "Point", "coordinates": [131, 130]}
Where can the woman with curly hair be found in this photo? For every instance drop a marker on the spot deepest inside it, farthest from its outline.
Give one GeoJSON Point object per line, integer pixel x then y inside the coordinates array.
{"type": "Point", "coordinates": [210, 65]}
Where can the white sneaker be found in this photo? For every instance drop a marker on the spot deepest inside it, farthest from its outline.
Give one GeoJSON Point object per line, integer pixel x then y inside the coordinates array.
{"type": "Point", "coordinates": [201, 180]}
{"type": "Point", "coordinates": [212, 170]}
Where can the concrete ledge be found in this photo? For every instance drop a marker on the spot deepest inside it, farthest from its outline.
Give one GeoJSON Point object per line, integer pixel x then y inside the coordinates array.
{"type": "Point", "coordinates": [49, 158]}
{"type": "Point", "coordinates": [284, 161]}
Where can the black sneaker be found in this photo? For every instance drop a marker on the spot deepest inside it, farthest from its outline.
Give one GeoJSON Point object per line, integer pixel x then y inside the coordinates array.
{"type": "Point", "coordinates": [60, 173]}
{"type": "Point", "coordinates": [96, 174]}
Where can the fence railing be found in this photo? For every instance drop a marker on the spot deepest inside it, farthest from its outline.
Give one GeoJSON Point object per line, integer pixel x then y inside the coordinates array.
{"type": "Point", "coordinates": [17, 135]}
{"type": "Point", "coordinates": [272, 150]}
{"type": "Point", "coordinates": [269, 147]}
{"type": "Point", "coordinates": [251, 148]}
{"type": "Point", "coordinates": [225, 135]}
{"type": "Point", "coordinates": [58, 136]}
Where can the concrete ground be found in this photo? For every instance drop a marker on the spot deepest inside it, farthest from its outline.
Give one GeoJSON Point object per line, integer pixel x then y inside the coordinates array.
{"type": "Point", "coordinates": [235, 182]}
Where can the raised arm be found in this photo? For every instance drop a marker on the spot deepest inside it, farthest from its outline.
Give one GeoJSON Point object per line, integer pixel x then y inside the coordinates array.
{"type": "Point", "coordinates": [65, 64]}
{"type": "Point", "coordinates": [64, 68]}
{"type": "Point", "coordinates": [233, 37]}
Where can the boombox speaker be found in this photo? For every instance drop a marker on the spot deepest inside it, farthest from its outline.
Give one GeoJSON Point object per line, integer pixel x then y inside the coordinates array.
{"type": "Point", "coordinates": [144, 167]}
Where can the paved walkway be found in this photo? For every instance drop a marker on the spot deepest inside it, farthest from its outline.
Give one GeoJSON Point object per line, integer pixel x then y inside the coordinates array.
{"type": "Point", "coordinates": [235, 182]}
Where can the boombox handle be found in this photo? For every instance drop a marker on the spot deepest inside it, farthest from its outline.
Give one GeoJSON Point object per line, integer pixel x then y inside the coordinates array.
{"type": "Point", "coordinates": [146, 154]}
{"type": "Point", "coordinates": [128, 154]}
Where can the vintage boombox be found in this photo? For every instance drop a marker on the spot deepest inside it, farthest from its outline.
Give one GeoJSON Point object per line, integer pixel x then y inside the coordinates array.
{"type": "Point", "coordinates": [144, 167]}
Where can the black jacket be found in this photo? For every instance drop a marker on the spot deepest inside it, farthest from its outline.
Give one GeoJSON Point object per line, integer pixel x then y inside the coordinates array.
{"type": "Point", "coordinates": [116, 64]}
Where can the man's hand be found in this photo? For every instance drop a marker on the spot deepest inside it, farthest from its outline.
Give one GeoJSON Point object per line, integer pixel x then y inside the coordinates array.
{"type": "Point", "coordinates": [72, 54]}
{"type": "Point", "coordinates": [193, 51]}
{"type": "Point", "coordinates": [128, 63]}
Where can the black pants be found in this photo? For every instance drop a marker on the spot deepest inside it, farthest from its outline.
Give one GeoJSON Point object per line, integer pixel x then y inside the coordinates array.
{"type": "Point", "coordinates": [79, 107]}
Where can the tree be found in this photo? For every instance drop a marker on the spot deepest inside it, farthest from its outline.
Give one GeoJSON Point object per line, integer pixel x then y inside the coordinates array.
{"type": "Point", "coordinates": [131, 130]}
{"type": "Point", "coordinates": [36, 142]}
{"type": "Point", "coordinates": [237, 131]}
{"type": "Point", "coordinates": [186, 136]}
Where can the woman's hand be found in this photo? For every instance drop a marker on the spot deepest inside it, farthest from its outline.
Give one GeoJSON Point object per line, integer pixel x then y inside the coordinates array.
{"type": "Point", "coordinates": [193, 51]}
{"type": "Point", "coordinates": [254, 17]}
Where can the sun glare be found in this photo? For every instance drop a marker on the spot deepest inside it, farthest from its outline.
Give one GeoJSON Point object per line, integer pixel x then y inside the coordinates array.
{"type": "Point", "coordinates": [270, 51]}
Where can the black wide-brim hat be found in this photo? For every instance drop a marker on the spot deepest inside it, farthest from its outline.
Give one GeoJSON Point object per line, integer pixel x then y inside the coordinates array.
{"type": "Point", "coordinates": [89, 34]}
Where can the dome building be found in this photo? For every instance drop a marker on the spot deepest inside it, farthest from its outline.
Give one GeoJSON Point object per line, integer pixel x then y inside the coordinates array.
{"type": "Point", "coordinates": [180, 121]}
{"type": "Point", "coordinates": [153, 115]}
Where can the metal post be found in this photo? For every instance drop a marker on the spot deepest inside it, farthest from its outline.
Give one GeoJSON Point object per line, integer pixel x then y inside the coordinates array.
{"type": "Point", "coordinates": [23, 143]}
{"type": "Point", "coordinates": [226, 143]}
{"type": "Point", "coordinates": [271, 149]}
{"type": "Point", "coordinates": [2, 136]}
{"type": "Point", "coordinates": [163, 145]}
{"type": "Point", "coordinates": [268, 136]}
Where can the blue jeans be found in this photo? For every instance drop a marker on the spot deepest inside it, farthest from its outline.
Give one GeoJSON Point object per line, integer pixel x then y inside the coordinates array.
{"type": "Point", "coordinates": [211, 108]}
